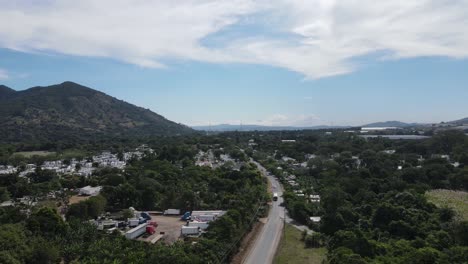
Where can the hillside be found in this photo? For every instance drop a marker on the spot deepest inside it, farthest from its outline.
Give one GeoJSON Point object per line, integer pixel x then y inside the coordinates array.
{"type": "Point", "coordinates": [72, 111]}
{"type": "Point", "coordinates": [5, 91]}
{"type": "Point", "coordinates": [390, 124]}
{"type": "Point", "coordinates": [460, 121]}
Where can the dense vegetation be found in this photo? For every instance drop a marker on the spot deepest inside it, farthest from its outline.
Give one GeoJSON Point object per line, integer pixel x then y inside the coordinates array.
{"type": "Point", "coordinates": [69, 112]}
{"type": "Point", "coordinates": [160, 181]}
{"type": "Point", "coordinates": [373, 211]}
{"type": "Point", "coordinates": [373, 204]}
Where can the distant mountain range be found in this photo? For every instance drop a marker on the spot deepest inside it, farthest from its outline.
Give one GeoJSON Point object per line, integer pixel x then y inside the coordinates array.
{"type": "Point", "coordinates": [228, 127]}
{"type": "Point", "coordinates": [392, 124]}
{"type": "Point", "coordinates": [72, 111]}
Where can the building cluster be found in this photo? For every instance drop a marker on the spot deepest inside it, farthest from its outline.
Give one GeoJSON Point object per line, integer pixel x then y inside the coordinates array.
{"type": "Point", "coordinates": [208, 159]}
{"type": "Point", "coordinates": [81, 167]}
{"type": "Point", "coordinates": [7, 169]}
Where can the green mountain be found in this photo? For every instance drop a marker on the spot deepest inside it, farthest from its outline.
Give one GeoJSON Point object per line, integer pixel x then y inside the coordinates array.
{"type": "Point", "coordinates": [391, 124]}
{"type": "Point", "coordinates": [72, 111]}
{"type": "Point", "coordinates": [5, 91]}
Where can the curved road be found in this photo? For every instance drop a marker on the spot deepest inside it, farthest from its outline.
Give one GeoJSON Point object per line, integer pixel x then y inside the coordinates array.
{"type": "Point", "coordinates": [264, 248]}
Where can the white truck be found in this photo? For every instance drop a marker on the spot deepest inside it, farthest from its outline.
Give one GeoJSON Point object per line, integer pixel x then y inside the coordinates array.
{"type": "Point", "coordinates": [275, 196]}
{"type": "Point", "coordinates": [136, 232]}
{"type": "Point", "coordinates": [218, 213]}
{"type": "Point", "coordinates": [190, 230]}
{"type": "Point", "coordinates": [205, 218]}
{"type": "Point", "coordinates": [132, 222]}
{"type": "Point", "coordinates": [172, 212]}
{"type": "Point", "coordinates": [201, 225]}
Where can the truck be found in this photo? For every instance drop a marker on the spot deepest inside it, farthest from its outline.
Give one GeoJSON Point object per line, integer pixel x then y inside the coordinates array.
{"type": "Point", "coordinates": [201, 225]}
{"type": "Point", "coordinates": [172, 212]}
{"type": "Point", "coordinates": [150, 229]}
{"type": "Point", "coordinates": [218, 213]}
{"type": "Point", "coordinates": [275, 196]}
{"type": "Point", "coordinates": [132, 222]}
{"type": "Point", "coordinates": [136, 231]}
{"type": "Point", "coordinates": [205, 218]}
{"type": "Point", "coordinates": [185, 216]}
{"type": "Point", "coordinates": [190, 230]}
{"type": "Point", "coordinates": [145, 215]}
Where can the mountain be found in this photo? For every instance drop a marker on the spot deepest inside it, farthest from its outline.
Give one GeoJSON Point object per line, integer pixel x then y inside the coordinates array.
{"type": "Point", "coordinates": [72, 111]}
{"type": "Point", "coordinates": [391, 124]}
{"type": "Point", "coordinates": [5, 91]}
{"type": "Point", "coordinates": [462, 121]}
{"type": "Point", "coordinates": [227, 127]}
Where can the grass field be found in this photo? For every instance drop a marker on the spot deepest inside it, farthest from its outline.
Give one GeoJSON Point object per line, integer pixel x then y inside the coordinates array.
{"type": "Point", "coordinates": [292, 250]}
{"type": "Point", "coordinates": [457, 200]}
{"type": "Point", "coordinates": [29, 154]}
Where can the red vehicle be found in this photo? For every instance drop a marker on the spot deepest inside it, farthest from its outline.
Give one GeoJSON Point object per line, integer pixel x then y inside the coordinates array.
{"type": "Point", "coordinates": [150, 229]}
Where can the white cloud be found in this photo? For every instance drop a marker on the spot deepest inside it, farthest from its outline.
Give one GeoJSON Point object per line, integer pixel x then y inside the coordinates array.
{"type": "Point", "coordinates": [3, 75]}
{"type": "Point", "coordinates": [317, 38]}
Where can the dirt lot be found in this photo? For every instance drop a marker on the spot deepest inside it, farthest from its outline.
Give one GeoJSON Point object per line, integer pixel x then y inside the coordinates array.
{"type": "Point", "coordinates": [76, 199]}
{"type": "Point", "coordinates": [170, 225]}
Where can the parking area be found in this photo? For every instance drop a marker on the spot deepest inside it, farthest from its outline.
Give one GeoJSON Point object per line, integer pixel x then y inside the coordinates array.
{"type": "Point", "coordinates": [170, 225]}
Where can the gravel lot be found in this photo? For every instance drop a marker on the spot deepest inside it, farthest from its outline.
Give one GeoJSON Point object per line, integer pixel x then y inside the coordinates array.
{"type": "Point", "coordinates": [170, 225]}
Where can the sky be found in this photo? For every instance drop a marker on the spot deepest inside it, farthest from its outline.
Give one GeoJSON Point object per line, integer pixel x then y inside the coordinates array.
{"type": "Point", "coordinates": [275, 62]}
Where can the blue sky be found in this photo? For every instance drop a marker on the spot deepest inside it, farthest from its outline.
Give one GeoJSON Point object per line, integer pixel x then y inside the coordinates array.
{"type": "Point", "coordinates": [255, 62]}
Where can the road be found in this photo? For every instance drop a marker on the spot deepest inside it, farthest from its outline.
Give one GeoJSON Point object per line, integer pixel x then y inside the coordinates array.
{"type": "Point", "coordinates": [264, 249]}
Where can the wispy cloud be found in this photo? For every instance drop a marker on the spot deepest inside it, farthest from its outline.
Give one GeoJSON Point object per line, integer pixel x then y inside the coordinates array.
{"type": "Point", "coordinates": [3, 75]}
{"type": "Point", "coordinates": [317, 38]}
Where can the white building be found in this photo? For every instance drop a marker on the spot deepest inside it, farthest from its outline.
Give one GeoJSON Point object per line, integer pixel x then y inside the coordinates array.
{"type": "Point", "coordinates": [90, 191]}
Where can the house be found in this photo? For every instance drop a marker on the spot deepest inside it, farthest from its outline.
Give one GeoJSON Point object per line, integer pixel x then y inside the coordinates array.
{"type": "Point", "coordinates": [90, 191]}
{"type": "Point", "coordinates": [441, 156]}
{"type": "Point", "coordinates": [314, 198]}
{"type": "Point", "coordinates": [288, 159]}
{"type": "Point", "coordinates": [315, 219]}
{"type": "Point", "coordinates": [288, 141]}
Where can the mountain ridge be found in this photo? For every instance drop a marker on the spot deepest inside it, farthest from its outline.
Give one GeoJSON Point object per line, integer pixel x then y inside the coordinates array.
{"type": "Point", "coordinates": [252, 127]}
{"type": "Point", "coordinates": [73, 110]}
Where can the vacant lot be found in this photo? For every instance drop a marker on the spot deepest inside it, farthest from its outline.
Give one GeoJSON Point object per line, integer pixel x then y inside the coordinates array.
{"type": "Point", "coordinates": [76, 199]}
{"type": "Point", "coordinates": [292, 250]}
{"type": "Point", "coordinates": [170, 225]}
{"type": "Point", "coordinates": [457, 200]}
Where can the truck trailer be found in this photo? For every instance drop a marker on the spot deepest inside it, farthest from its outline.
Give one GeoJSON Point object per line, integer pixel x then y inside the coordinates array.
{"type": "Point", "coordinates": [205, 218]}
{"type": "Point", "coordinates": [172, 212]}
{"type": "Point", "coordinates": [190, 230]}
{"type": "Point", "coordinates": [202, 225]}
{"type": "Point", "coordinates": [136, 232]}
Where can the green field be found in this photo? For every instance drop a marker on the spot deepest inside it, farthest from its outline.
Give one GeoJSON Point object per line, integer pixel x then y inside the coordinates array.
{"type": "Point", "coordinates": [292, 249]}
{"type": "Point", "coordinates": [29, 154]}
{"type": "Point", "coordinates": [456, 200]}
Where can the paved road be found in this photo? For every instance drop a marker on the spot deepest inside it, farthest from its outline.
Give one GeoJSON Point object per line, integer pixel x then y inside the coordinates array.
{"type": "Point", "coordinates": [264, 248]}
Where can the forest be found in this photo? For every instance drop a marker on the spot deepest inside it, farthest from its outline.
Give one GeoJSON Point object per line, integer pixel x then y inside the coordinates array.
{"type": "Point", "coordinates": [373, 206]}
{"type": "Point", "coordinates": [165, 180]}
